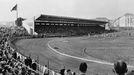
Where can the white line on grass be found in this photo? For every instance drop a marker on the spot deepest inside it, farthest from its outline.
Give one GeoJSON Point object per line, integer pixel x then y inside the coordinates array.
{"type": "Point", "coordinates": [95, 61]}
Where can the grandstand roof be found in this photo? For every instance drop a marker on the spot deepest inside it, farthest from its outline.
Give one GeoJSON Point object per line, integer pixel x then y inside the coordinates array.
{"type": "Point", "coordinates": [61, 19]}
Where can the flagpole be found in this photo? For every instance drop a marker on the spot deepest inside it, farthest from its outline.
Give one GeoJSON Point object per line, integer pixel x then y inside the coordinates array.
{"type": "Point", "coordinates": [15, 8]}
{"type": "Point", "coordinates": [17, 12]}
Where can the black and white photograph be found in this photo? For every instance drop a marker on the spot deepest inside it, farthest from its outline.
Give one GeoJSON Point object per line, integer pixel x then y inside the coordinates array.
{"type": "Point", "coordinates": [66, 37]}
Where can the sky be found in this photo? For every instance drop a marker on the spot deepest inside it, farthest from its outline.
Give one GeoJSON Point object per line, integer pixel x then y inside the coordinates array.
{"type": "Point", "coordinates": [72, 8]}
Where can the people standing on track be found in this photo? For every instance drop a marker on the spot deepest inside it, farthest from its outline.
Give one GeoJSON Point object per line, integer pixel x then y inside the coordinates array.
{"type": "Point", "coordinates": [84, 51]}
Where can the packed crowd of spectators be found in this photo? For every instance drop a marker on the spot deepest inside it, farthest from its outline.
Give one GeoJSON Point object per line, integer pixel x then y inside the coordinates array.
{"type": "Point", "coordinates": [10, 63]}
{"type": "Point", "coordinates": [111, 35]}
{"type": "Point", "coordinates": [69, 30]}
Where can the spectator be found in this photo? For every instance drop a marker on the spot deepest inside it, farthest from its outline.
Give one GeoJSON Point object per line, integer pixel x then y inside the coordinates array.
{"type": "Point", "coordinates": [26, 62]}
{"type": "Point", "coordinates": [34, 66]}
{"type": "Point", "coordinates": [120, 67]}
{"type": "Point", "coordinates": [15, 55]}
{"type": "Point", "coordinates": [29, 62]}
{"type": "Point", "coordinates": [69, 72]}
{"type": "Point", "coordinates": [83, 68]}
{"type": "Point", "coordinates": [62, 71]}
{"type": "Point", "coordinates": [46, 72]}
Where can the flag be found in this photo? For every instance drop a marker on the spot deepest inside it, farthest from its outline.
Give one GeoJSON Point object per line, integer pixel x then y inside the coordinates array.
{"type": "Point", "coordinates": [14, 8]}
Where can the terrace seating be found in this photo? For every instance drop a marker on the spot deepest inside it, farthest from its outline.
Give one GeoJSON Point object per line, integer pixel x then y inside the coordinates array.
{"type": "Point", "coordinates": [69, 30]}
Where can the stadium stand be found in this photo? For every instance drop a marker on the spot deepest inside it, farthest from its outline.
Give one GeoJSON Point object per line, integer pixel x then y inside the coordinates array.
{"type": "Point", "coordinates": [67, 26]}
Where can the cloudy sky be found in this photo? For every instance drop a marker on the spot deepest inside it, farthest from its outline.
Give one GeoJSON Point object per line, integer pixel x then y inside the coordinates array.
{"type": "Point", "coordinates": [73, 8]}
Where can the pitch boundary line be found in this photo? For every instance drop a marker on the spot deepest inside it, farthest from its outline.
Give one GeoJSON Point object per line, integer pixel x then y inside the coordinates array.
{"type": "Point", "coordinates": [94, 61]}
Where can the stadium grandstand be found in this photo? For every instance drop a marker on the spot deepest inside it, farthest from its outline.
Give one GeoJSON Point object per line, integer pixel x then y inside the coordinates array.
{"type": "Point", "coordinates": [67, 26]}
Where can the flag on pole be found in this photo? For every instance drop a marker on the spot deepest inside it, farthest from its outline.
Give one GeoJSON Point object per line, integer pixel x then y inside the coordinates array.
{"type": "Point", "coordinates": [14, 8]}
